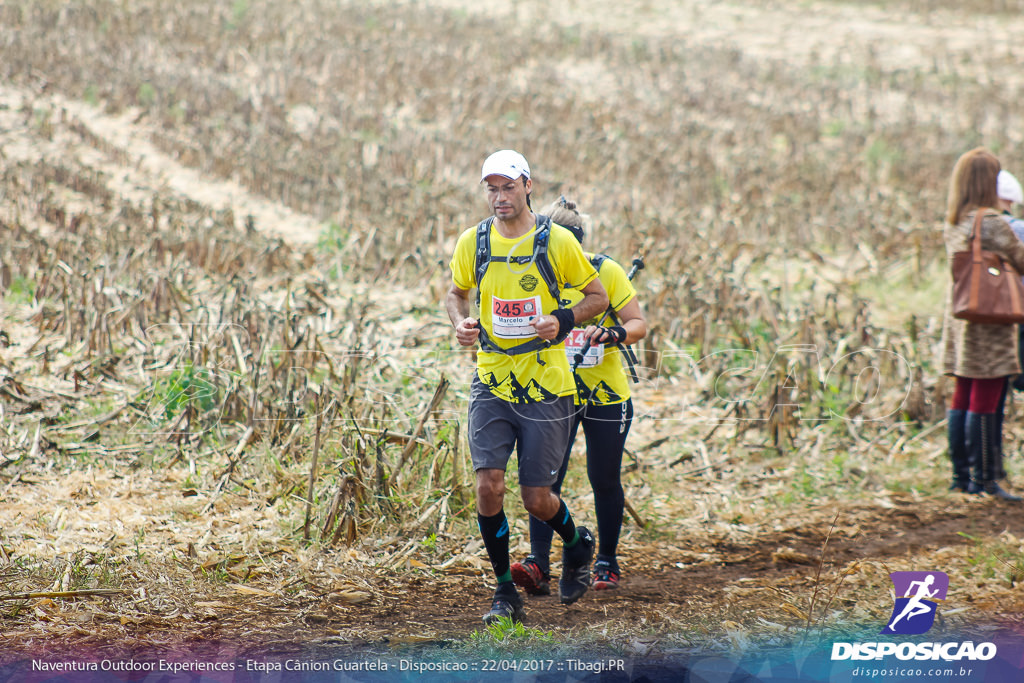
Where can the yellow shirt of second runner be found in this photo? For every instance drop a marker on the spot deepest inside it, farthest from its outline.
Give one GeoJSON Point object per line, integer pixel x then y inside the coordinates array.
{"type": "Point", "coordinates": [602, 378]}
{"type": "Point", "coordinates": [511, 296]}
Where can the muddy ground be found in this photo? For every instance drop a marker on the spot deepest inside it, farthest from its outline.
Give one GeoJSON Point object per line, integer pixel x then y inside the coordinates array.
{"type": "Point", "coordinates": [707, 592]}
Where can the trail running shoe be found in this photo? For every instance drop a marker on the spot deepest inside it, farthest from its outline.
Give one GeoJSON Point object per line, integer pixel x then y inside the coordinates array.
{"type": "Point", "coordinates": [530, 577]}
{"type": "Point", "coordinates": [605, 578]}
{"type": "Point", "coordinates": [505, 604]}
{"type": "Point", "coordinates": [575, 579]}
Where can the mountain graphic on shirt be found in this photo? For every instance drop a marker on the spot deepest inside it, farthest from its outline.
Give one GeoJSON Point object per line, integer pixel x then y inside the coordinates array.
{"type": "Point", "coordinates": [600, 394]}
{"type": "Point", "coordinates": [533, 392]}
{"type": "Point", "coordinates": [582, 390]}
{"type": "Point", "coordinates": [490, 381]}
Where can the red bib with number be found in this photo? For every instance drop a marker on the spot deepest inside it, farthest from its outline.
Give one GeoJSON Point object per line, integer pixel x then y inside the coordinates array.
{"type": "Point", "coordinates": [575, 342]}
{"type": "Point", "coordinates": [511, 318]}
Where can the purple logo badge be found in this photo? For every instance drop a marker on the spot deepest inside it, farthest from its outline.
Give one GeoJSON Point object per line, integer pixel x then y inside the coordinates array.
{"type": "Point", "coordinates": [917, 595]}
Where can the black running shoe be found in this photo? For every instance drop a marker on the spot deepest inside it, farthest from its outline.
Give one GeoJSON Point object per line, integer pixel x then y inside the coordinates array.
{"type": "Point", "coordinates": [606, 577]}
{"type": "Point", "coordinates": [575, 578]}
{"type": "Point", "coordinates": [505, 604]}
{"type": "Point", "coordinates": [530, 577]}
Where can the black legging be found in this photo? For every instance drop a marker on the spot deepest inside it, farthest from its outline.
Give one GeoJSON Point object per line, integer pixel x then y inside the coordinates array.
{"type": "Point", "coordinates": [605, 428]}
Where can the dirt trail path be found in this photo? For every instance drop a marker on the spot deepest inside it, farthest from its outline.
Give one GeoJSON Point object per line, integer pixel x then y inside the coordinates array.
{"type": "Point", "coordinates": [346, 604]}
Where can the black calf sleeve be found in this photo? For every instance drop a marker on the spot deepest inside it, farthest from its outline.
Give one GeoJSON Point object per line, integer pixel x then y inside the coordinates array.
{"type": "Point", "coordinates": [494, 529]}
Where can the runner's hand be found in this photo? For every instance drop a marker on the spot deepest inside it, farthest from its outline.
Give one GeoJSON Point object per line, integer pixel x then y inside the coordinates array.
{"type": "Point", "coordinates": [598, 334]}
{"type": "Point", "coordinates": [467, 331]}
{"type": "Point", "coordinates": [546, 326]}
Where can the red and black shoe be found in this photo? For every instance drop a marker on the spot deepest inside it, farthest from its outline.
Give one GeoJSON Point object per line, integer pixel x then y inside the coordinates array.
{"type": "Point", "coordinates": [530, 577]}
{"type": "Point", "coordinates": [605, 576]}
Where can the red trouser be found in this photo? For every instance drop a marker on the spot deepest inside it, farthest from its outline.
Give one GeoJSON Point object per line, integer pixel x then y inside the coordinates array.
{"type": "Point", "coordinates": [977, 395]}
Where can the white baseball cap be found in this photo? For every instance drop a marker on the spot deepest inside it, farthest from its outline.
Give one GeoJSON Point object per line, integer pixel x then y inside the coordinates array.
{"type": "Point", "coordinates": [1008, 188]}
{"type": "Point", "coordinates": [506, 162]}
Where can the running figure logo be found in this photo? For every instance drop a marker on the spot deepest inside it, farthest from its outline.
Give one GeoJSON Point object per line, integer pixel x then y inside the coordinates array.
{"type": "Point", "coordinates": [917, 595]}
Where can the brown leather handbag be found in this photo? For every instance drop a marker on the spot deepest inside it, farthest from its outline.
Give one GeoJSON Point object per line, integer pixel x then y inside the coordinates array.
{"type": "Point", "coordinates": [986, 289]}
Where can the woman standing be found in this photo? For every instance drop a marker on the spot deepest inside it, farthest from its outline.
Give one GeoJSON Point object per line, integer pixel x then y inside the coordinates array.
{"type": "Point", "coordinates": [605, 410]}
{"type": "Point", "coordinates": [981, 357]}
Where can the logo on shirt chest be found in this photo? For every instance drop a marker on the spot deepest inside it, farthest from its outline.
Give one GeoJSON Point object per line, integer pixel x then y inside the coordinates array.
{"type": "Point", "coordinates": [528, 282]}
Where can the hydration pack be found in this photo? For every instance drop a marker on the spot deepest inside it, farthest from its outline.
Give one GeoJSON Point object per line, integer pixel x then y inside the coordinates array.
{"type": "Point", "coordinates": [539, 256]}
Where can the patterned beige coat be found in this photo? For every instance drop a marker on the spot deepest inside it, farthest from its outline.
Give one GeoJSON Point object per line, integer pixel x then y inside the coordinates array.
{"type": "Point", "coordinates": [971, 349]}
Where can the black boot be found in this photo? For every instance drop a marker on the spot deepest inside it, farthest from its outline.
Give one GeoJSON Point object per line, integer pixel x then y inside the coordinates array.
{"type": "Point", "coordinates": [980, 445]}
{"type": "Point", "coordinates": [957, 434]}
{"type": "Point", "coordinates": [998, 442]}
{"type": "Point", "coordinates": [1000, 470]}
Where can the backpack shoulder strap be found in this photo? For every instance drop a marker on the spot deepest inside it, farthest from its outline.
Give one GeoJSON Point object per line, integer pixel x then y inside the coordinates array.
{"type": "Point", "coordinates": [539, 255]}
{"type": "Point", "coordinates": [483, 252]}
{"type": "Point", "coordinates": [543, 261]}
{"type": "Point", "coordinates": [483, 247]}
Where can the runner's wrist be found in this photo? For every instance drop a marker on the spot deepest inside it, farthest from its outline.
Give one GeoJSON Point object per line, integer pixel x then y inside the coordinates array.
{"type": "Point", "coordinates": [566, 321]}
{"type": "Point", "coordinates": [618, 334]}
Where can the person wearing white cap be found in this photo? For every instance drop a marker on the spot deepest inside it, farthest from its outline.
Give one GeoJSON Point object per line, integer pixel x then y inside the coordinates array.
{"type": "Point", "coordinates": [1009, 192]}
{"type": "Point", "coordinates": [508, 164]}
{"type": "Point", "coordinates": [521, 396]}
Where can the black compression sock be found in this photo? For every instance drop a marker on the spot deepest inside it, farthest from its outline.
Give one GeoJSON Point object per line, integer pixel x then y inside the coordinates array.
{"type": "Point", "coordinates": [494, 529]}
{"type": "Point", "coordinates": [564, 525]}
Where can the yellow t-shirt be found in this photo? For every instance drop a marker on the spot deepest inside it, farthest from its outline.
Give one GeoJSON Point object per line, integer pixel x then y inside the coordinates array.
{"type": "Point", "coordinates": [511, 296]}
{"type": "Point", "coordinates": [601, 376]}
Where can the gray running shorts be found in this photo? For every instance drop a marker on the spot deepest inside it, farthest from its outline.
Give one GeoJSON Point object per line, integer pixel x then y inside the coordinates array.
{"type": "Point", "coordinates": [538, 431]}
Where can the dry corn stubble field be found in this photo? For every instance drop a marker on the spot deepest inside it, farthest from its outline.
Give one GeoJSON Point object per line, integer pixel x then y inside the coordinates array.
{"type": "Point", "coordinates": [232, 411]}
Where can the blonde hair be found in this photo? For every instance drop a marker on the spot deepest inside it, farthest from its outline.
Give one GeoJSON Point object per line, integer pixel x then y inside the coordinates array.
{"type": "Point", "coordinates": [973, 184]}
{"type": "Point", "coordinates": [564, 212]}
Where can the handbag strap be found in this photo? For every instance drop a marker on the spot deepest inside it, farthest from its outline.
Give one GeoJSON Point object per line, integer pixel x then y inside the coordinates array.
{"type": "Point", "coordinates": [976, 240]}
{"type": "Point", "coordinates": [976, 261]}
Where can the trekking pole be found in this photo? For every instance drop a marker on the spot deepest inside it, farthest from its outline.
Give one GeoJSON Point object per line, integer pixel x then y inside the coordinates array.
{"type": "Point", "coordinates": [638, 265]}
